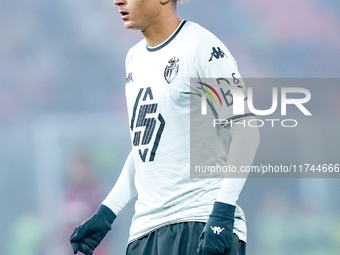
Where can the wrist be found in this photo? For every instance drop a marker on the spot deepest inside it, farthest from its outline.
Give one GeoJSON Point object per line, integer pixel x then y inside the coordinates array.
{"type": "Point", "coordinates": [106, 213]}
{"type": "Point", "coordinates": [223, 210]}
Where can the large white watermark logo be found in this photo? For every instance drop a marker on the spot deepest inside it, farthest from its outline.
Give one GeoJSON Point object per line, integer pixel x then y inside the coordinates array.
{"type": "Point", "coordinates": [241, 102]}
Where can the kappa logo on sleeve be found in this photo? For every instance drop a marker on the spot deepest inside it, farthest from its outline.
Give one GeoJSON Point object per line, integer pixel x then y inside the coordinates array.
{"type": "Point", "coordinates": [129, 78]}
{"type": "Point", "coordinates": [217, 53]}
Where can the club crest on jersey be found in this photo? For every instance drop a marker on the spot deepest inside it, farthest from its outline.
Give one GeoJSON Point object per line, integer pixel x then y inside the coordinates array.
{"type": "Point", "coordinates": [171, 70]}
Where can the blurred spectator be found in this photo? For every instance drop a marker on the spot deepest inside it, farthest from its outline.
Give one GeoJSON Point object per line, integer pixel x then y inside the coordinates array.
{"type": "Point", "coordinates": [273, 224]}
{"type": "Point", "coordinates": [27, 234]}
{"type": "Point", "coordinates": [80, 199]}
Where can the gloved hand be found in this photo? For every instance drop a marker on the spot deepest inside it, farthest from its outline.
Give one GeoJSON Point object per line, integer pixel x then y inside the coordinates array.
{"type": "Point", "coordinates": [87, 236]}
{"type": "Point", "coordinates": [217, 235]}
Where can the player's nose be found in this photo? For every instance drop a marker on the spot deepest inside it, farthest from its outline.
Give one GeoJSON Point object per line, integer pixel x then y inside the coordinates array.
{"type": "Point", "coordinates": [119, 2]}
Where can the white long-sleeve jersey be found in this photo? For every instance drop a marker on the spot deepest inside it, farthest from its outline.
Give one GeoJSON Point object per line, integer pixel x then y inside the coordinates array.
{"type": "Point", "coordinates": [158, 94]}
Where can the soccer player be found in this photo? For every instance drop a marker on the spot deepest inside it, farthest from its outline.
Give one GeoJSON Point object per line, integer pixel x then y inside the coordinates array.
{"type": "Point", "coordinates": [175, 214]}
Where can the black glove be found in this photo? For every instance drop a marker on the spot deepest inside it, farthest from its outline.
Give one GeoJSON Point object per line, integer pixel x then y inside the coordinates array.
{"type": "Point", "coordinates": [87, 236]}
{"type": "Point", "coordinates": [217, 235]}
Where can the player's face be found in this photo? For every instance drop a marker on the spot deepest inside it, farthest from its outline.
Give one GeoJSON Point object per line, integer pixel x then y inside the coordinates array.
{"type": "Point", "coordinates": [138, 14]}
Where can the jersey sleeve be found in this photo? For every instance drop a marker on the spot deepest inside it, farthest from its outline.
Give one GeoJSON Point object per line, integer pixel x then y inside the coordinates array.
{"type": "Point", "coordinates": [243, 147]}
{"type": "Point", "coordinates": [124, 190]}
{"type": "Point", "coordinates": [220, 80]}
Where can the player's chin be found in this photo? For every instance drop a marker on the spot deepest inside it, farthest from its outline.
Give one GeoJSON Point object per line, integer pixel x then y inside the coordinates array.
{"type": "Point", "coordinates": [129, 24]}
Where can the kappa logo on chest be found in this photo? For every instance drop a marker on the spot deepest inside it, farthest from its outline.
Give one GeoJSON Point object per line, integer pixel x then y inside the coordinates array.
{"type": "Point", "coordinates": [171, 70]}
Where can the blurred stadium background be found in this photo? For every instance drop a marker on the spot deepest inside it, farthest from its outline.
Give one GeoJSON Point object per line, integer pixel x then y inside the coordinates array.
{"type": "Point", "coordinates": [64, 128]}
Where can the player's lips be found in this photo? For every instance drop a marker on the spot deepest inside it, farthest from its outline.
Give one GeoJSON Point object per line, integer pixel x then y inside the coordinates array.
{"type": "Point", "coordinates": [124, 14]}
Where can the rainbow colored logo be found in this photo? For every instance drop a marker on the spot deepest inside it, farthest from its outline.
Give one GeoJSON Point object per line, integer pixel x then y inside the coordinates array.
{"type": "Point", "coordinates": [209, 93]}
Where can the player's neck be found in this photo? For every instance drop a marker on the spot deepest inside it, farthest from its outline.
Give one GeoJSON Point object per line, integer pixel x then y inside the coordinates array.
{"type": "Point", "coordinates": [161, 30]}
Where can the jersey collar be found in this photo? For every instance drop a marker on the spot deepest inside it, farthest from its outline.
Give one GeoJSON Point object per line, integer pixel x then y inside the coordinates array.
{"type": "Point", "coordinates": [165, 43]}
